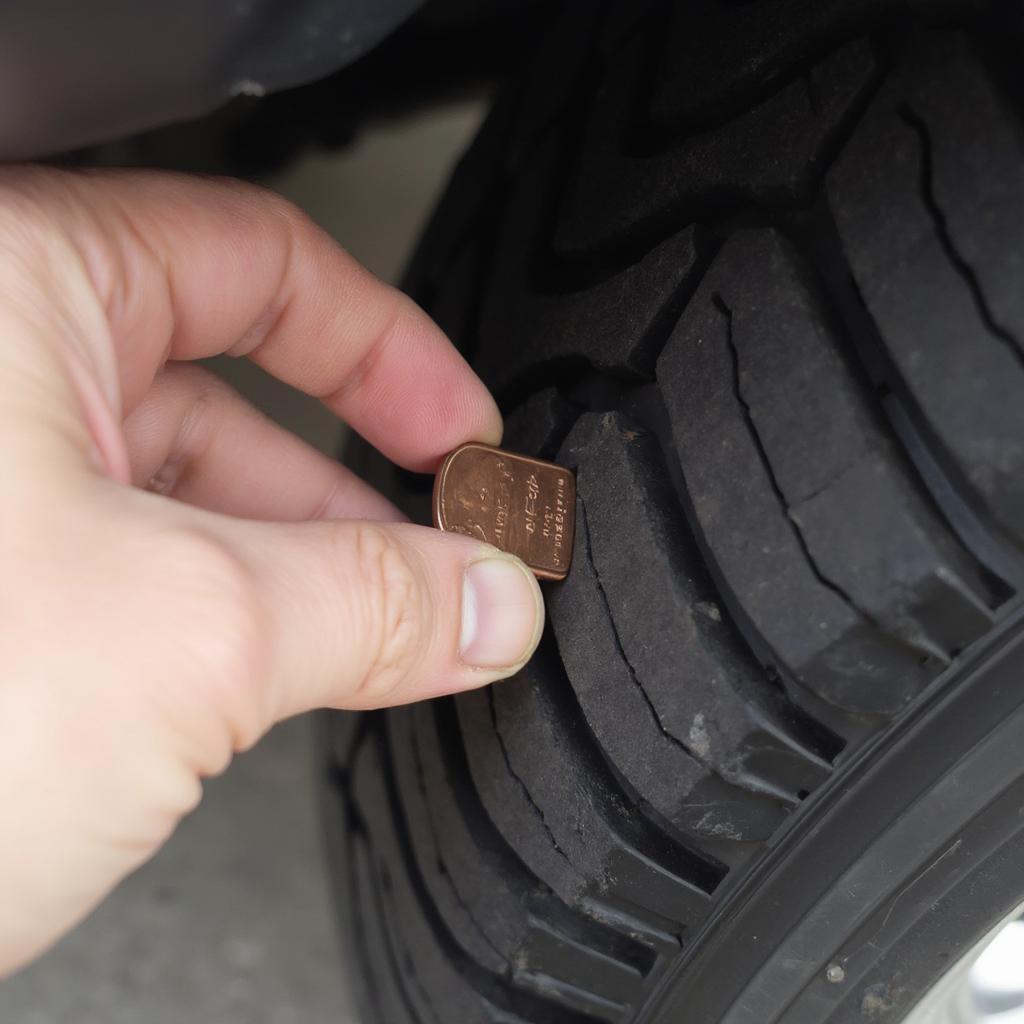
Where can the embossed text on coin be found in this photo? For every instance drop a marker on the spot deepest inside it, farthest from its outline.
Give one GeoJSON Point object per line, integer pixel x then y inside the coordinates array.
{"type": "Point", "coordinates": [524, 506]}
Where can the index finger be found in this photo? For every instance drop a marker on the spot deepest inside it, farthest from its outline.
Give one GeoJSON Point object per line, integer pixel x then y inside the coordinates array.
{"type": "Point", "coordinates": [189, 267]}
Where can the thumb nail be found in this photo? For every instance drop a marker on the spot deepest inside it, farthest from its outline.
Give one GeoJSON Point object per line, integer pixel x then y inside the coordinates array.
{"type": "Point", "coordinates": [502, 614]}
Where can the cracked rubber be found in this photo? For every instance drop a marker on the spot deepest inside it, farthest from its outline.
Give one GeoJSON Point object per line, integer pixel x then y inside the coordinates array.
{"type": "Point", "coordinates": [754, 270]}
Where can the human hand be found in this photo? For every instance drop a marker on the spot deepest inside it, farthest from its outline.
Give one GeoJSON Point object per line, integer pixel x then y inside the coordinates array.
{"type": "Point", "coordinates": [145, 637]}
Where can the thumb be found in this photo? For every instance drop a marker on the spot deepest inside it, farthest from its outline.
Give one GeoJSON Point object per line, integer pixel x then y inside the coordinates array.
{"type": "Point", "coordinates": [364, 614]}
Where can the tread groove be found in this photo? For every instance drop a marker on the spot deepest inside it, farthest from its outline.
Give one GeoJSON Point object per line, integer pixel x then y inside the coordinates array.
{"type": "Point", "coordinates": [359, 929]}
{"type": "Point", "coordinates": [957, 260]}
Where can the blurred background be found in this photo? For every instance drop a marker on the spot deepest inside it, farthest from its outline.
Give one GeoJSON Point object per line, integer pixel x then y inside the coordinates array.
{"type": "Point", "coordinates": [232, 922]}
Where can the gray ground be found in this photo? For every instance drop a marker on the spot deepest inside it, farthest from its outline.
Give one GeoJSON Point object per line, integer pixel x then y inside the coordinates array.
{"type": "Point", "coordinates": [231, 923]}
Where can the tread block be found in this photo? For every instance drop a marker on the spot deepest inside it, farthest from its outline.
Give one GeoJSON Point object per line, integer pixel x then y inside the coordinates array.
{"type": "Point", "coordinates": [549, 803]}
{"type": "Point", "coordinates": [599, 975]}
{"type": "Point", "coordinates": [926, 198]}
{"type": "Point", "coordinates": [432, 990]}
{"type": "Point", "coordinates": [501, 903]}
{"type": "Point", "coordinates": [703, 691]}
{"type": "Point", "coordinates": [509, 805]}
{"type": "Point", "coordinates": [654, 763]}
{"type": "Point", "coordinates": [833, 461]}
{"type": "Point", "coordinates": [484, 883]}
{"type": "Point", "coordinates": [768, 42]}
{"type": "Point", "coordinates": [437, 979]}
{"type": "Point", "coordinates": [455, 221]}
{"type": "Point", "coordinates": [771, 155]}
{"type": "Point", "coordinates": [384, 988]}
{"type": "Point", "coordinates": [475, 933]}
{"type": "Point", "coordinates": [561, 59]}
{"type": "Point", "coordinates": [592, 834]}
{"type": "Point", "coordinates": [757, 547]}
{"type": "Point", "coordinates": [606, 324]}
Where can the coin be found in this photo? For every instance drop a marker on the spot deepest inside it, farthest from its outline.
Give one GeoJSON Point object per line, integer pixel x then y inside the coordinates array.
{"type": "Point", "coordinates": [524, 506]}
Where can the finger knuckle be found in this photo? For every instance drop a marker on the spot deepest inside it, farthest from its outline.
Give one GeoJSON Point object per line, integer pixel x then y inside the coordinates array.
{"type": "Point", "coordinates": [397, 613]}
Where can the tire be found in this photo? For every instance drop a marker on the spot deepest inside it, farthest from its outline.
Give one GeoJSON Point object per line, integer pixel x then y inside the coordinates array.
{"type": "Point", "coordinates": [754, 270]}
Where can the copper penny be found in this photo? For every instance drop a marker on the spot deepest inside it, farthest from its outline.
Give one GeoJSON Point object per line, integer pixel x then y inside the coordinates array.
{"type": "Point", "coordinates": [521, 505]}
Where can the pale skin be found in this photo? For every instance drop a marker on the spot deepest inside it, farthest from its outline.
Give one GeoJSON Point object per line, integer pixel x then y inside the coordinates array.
{"type": "Point", "coordinates": [178, 573]}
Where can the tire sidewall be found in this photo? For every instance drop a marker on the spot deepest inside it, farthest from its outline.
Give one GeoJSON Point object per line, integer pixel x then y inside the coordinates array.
{"type": "Point", "coordinates": [892, 873]}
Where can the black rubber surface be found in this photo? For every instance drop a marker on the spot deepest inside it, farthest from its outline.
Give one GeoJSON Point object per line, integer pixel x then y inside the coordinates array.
{"type": "Point", "coordinates": [753, 270]}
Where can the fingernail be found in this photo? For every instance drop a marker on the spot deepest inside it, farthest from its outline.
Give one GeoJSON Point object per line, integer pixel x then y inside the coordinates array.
{"type": "Point", "coordinates": [502, 614]}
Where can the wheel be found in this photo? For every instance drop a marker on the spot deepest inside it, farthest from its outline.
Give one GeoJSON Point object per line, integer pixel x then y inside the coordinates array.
{"type": "Point", "coordinates": [754, 270]}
